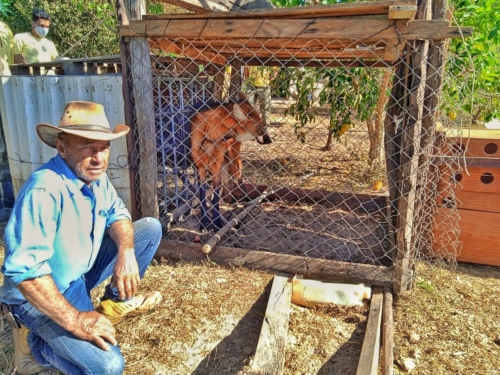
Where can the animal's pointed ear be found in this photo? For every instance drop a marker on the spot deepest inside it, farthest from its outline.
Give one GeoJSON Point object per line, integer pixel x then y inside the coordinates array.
{"type": "Point", "coordinates": [239, 113]}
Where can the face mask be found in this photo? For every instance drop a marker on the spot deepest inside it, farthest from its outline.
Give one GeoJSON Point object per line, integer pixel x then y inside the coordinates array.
{"type": "Point", "coordinates": [41, 31]}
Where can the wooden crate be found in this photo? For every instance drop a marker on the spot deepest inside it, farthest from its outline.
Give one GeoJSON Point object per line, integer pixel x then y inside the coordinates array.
{"type": "Point", "coordinates": [476, 196]}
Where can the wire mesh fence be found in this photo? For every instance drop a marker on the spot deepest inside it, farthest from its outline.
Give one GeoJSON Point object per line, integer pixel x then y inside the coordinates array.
{"type": "Point", "coordinates": [316, 147]}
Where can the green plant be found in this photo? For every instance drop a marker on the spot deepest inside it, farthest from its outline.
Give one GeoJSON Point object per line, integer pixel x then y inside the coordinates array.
{"type": "Point", "coordinates": [347, 93]}
{"type": "Point", "coordinates": [473, 68]}
{"type": "Point", "coordinates": [83, 28]}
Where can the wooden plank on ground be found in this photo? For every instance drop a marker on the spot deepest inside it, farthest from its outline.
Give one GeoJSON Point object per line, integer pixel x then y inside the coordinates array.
{"type": "Point", "coordinates": [270, 354]}
{"type": "Point", "coordinates": [369, 358]}
{"type": "Point", "coordinates": [388, 331]}
{"type": "Point", "coordinates": [321, 269]}
{"type": "Point", "coordinates": [336, 10]}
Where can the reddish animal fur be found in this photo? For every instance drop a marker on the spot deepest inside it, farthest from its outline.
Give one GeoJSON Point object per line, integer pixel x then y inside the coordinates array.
{"type": "Point", "coordinates": [216, 137]}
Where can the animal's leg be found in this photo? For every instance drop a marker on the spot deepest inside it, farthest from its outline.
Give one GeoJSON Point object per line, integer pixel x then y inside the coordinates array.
{"type": "Point", "coordinates": [235, 169]}
{"type": "Point", "coordinates": [205, 219]}
{"type": "Point", "coordinates": [218, 155]}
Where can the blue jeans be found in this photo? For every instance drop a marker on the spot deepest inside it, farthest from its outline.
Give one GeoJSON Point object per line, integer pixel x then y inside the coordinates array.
{"type": "Point", "coordinates": [55, 347]}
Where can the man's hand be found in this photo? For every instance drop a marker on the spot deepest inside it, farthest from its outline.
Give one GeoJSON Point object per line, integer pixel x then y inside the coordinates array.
{"type": "Point", "coordinates": [126, 274]}
{"type": "Point", "coordinates": [94, 327]}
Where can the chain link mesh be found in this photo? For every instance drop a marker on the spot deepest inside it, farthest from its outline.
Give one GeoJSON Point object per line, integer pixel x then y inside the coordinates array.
{"type": "Point", "coordinates": [343, 167]}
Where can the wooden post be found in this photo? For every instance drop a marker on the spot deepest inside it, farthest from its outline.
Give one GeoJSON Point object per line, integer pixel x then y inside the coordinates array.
{"type": "Point", "coordinates": [236, 79]}
{"type": "Point", "coordinates": [435, 72]}
{"type": "Point", "coordinates": [409, 157]}
{"type": "Point", "coordinates": [128, 108]}
{"type": "Point", "coordinates": [140, 93]}
{"type": "Point", "coordinates": [135, 9]}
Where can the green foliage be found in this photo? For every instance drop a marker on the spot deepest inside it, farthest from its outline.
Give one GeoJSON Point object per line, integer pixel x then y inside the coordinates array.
{"type": "Point", "coordinates": [87, 27]}
{"type": "Point", "coordinates": [348, 93]}
{"type": "Point", "coordinates": [473, 63]}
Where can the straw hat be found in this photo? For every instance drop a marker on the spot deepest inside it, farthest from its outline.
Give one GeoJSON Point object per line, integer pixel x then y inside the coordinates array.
{"type": "Point", "coordinates": [84, 119]}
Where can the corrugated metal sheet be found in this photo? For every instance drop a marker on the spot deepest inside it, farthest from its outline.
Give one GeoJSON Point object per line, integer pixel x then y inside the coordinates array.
{"type": "Point", "coordinates": [26, 101]}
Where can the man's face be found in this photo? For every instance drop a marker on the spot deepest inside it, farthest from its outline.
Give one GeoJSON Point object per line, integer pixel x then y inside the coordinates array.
{"type": "Point", "coordinates": [86, 157]}
{"type": "Point", "coordinates": [40, 23]}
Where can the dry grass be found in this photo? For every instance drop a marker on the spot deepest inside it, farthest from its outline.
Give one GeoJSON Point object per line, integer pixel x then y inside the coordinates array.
{"type": "Point", "coordinates": [209, 323]}
{"type": "Point", "coordinates": [449, 322]}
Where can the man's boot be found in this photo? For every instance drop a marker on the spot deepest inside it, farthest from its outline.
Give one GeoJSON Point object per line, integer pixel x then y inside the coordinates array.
{"type": "Point", "coordinates": [24, 361]}
{"type": "Point", "coordinates": [116, 311]}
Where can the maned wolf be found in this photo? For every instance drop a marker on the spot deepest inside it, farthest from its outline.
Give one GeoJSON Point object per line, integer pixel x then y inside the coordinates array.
{"type": "Point", "coordinates": [217, 132]}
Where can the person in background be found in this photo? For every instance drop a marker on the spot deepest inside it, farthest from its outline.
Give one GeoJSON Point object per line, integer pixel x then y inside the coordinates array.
{"type": "Point", "coordinates": [68, 233]}
{"type": "Point", "coordinates": [33, 46]}
{"type": "Point", "coordinates": [258, 85]}
{"type": "Point", "coordinates": [6, 46]}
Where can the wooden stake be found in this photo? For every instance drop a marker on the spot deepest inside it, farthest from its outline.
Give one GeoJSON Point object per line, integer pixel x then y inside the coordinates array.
{"type": "Point", "coordinates": [387, 336]}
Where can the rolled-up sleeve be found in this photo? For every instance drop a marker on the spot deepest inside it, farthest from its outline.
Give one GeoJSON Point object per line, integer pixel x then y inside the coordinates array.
{"type": "Point", "coordinates": [117, 209]}
{"type": "Point", "coordinates": [29, 236]}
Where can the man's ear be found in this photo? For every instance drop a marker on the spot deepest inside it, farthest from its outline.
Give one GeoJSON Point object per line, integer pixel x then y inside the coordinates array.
{"type": "Point", "coordinates": [61, 148]}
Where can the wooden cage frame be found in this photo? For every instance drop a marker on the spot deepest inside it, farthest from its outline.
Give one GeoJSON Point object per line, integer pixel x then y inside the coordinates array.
{"type": "Point", "coordinates": [394, 25]}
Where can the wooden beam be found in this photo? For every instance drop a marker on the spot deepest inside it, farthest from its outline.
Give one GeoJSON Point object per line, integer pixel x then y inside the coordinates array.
{"type": "Point", "coordinates": [327, 270]}
{"type": "Point", "coordinates": [401, 12]}
{"type": "Point", "coordinates": [366, 30]}
{"type": "Point", "coordinates": [337, 10]}
{"type": "Point", "coordinates": [197, 6]}
{"type": "Point", "coordinates": [369, 358]}
{"type": "Point", "coordinates": [269, 356]}
{"type": "Point", "coordinates": [323, 64]}
{"type": "Point", "coordinates": [187, 51]}
{"type": "Point", "coordinates": [388, 332]}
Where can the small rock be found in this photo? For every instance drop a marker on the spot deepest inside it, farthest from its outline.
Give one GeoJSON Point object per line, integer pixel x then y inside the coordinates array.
{"type": "Point", "coordinates": [408, 364]}
{"type": "Point", "coordinates": [414, 338]}
{"type": "Point", "coordinates": [497, 340]}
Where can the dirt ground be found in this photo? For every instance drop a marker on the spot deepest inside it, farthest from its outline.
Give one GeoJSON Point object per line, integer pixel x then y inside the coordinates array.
{"type": "Point", "coordinates": [210, 319]}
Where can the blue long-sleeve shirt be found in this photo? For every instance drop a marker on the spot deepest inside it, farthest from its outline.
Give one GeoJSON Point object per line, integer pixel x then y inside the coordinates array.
{"type": "Point", "coordinates": [56, 227]}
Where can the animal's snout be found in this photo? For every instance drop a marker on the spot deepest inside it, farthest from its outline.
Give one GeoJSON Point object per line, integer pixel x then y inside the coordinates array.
{"type": "Point", "coordinates": [266, 139]}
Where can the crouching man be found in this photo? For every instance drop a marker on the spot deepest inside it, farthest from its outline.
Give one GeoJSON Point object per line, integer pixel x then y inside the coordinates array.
{"type": "Point", "coordinates": [69, 232]}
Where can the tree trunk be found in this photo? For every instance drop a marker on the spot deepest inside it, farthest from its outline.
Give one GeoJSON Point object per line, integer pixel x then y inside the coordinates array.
{"type": "Point", "coordinates": [375, 125]}
{"type": "Point", "coordinates": [328, 146]}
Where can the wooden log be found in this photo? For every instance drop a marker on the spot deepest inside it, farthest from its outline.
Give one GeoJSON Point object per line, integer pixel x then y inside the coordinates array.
{"type": "Point", "coordinates": [369, 357]}
{"type": "Point", "coordinates": [142, 91]}
{"type": "Point", "coordinates": [269, 356]}
{"type": "Point", "coordinates": [337, 10]}
{"type": "Point", "coordinates": [388, 334]}
{"type": "Point", "coordinates": [327, 270]}
{"type": "Point", "coordinates": [366, 30]}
